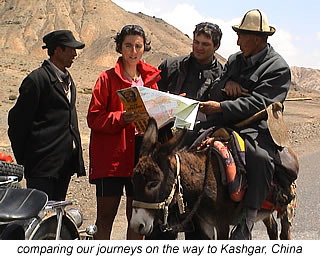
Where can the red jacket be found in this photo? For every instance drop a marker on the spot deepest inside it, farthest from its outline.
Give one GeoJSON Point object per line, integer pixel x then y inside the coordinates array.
{"type": "Point", "coordinates": [112, 142]}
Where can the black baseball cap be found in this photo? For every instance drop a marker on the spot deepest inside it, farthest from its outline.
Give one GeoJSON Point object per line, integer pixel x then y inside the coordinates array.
{"type": "Point", "coordinates": [61, 37]}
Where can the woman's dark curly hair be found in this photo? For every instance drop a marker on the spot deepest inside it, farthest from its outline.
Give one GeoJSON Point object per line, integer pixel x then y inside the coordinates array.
{"type": "Point", "coordinates": [131, 30]}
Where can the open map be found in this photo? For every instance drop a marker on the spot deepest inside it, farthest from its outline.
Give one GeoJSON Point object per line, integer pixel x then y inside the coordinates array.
{"type": "Point", "coordinates": [162, 106]}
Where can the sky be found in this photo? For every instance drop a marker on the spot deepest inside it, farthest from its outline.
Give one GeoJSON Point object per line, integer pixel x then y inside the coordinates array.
{"type": "Point", "coordinates": [297, 23]}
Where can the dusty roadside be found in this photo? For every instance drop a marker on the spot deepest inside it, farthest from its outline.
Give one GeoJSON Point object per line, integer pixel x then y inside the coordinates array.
{"type": "Point", "coordinates": [302, 118]}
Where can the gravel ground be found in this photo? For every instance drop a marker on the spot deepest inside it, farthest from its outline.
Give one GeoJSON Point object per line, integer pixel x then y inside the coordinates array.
{"type": "Point", "coordinates": [304, 133]}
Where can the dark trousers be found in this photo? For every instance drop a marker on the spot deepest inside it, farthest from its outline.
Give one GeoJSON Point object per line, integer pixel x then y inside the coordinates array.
{"type": "Point", "coordinates": [55, 188]}
{"type": "Point", "coordinates": [260, 168]}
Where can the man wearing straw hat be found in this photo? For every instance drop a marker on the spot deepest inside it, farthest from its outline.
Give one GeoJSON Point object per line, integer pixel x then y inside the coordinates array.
{"type": "Point", "coordinates": [254, 78]}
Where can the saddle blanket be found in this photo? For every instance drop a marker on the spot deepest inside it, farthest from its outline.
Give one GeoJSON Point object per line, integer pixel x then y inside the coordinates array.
{"type": "Point", "coordinates": [228, 144]}
{"type": "Point", "coordinates": [230, 175]}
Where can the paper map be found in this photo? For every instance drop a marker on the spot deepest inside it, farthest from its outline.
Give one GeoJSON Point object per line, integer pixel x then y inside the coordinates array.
{"type": "Point", "coordinates": [162, 106]}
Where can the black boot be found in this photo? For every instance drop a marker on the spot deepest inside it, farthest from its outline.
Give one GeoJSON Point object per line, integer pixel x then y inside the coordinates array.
{"type": "Point", "coordinates": [243, 230]}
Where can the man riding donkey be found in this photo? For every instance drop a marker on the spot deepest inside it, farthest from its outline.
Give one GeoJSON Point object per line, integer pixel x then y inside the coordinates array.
{"type": "Point", "coordinates": [254, 78]}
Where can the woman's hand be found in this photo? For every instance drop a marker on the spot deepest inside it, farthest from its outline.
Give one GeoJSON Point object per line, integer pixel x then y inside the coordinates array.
{"type": "Point", "coordinates": [210, 107]}
{"type": "Point", "coordinates": [129, 117]}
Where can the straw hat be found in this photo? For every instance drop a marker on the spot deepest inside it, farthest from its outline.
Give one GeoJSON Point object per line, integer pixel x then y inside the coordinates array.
{"type": "Point", "coordinates": [256, 22]}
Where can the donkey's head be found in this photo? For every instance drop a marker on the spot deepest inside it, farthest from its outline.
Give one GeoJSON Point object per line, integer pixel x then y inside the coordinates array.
{"type": "Point", "coordinates": [153, 176]}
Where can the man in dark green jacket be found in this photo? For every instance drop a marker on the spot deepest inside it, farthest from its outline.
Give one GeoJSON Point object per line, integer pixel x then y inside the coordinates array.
{"type": "Point", "coordinates": [253, 79]}
{"type": "Point", "coordinates": [43, 124]}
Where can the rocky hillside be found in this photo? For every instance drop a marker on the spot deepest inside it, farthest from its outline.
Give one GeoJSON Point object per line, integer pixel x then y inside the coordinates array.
{"type": "Point", "coordinates": [23, 23]}
{"type": "Point", "coordinates": [306, 79]}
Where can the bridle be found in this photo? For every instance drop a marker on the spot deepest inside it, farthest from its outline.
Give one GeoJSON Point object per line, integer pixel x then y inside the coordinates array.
{"type": "Point", "coordinates": [164, 205]}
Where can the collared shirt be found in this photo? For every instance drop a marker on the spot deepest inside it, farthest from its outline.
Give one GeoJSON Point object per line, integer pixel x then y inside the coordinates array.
{"type": "Point", "coordinates": [66, 86]}
{"type": "Point", "coordinates": [253, 59]}
{"type": "Point", "coordinates": [61, 76]}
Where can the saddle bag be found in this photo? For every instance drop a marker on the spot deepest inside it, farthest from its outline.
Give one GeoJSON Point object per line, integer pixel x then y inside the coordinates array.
{"type": "Point", "coordinates": [230, 151]}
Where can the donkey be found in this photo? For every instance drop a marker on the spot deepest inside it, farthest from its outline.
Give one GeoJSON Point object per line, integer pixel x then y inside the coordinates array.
{"type": "Point", "coordinates": [170, 182]}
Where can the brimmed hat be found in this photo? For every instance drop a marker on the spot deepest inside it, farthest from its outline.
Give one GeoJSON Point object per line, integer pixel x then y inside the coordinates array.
{"type": "Point", "coordinates": [61, 37]}
{"type": "Point", "coordinates": [256, 22]}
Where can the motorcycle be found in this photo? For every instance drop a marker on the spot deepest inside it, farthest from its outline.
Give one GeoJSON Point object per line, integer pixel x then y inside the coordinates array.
{"type": "Point", "coordinates": [26, 214]}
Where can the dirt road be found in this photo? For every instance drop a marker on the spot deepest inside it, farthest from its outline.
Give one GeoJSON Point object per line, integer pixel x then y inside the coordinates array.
{"type": "Point", "coordinates": [302, 118]}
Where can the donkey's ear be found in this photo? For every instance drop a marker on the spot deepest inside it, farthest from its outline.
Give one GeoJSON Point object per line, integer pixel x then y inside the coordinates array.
{"type": "Point", "coordinates": [174, 143]}
{"type": "Point", "coordinates": [150, 137]}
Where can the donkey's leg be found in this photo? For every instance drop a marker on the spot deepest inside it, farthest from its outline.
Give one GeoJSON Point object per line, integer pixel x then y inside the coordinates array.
{"type": "Point", "coordinates": [285, 228]}
{"type": "Point", "coordinates": [287, 218]}
{"type": "Point", "coordinates": [272, 227]}
{"type": "Point", "coordinates": [202, 231]}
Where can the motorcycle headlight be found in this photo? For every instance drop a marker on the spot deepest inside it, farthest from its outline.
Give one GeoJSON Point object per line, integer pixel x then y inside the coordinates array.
{"type": "Point", "coordinates": [76, 216]}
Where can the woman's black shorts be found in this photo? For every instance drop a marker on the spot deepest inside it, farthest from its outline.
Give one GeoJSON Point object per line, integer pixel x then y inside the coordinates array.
{"type": "Point", "coordinates": [113, 186]}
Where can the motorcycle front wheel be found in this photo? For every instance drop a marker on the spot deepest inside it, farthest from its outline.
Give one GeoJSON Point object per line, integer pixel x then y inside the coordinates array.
{"type": "Point", "coordinates": [46, 230]}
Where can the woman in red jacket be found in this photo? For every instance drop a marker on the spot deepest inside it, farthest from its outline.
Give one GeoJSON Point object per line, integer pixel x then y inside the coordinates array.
{"type": "Point", "coordinates": [112, 140]}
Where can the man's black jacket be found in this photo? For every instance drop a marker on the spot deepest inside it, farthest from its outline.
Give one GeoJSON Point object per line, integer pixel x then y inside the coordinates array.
{"type": "Point", "coordinates": [43, 127]}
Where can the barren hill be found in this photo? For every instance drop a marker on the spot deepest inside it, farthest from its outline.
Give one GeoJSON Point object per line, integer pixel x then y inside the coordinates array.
{"type": "Point", "coordinates": [306, 79]}
{"type": "Point", "coordinates": [23, 23]}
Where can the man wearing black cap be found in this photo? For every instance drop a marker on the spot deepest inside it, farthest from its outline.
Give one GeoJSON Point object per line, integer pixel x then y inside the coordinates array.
{"type": "Point", "coordinates": [254, 78]}
{"type": "Point", "coordinates": [43, 124]}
